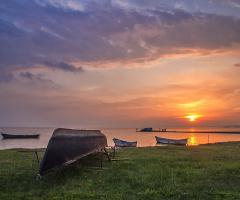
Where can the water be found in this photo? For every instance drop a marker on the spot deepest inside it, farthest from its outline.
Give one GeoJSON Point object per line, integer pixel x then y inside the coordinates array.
{"type": "Point", "coordinates": [143, 138]}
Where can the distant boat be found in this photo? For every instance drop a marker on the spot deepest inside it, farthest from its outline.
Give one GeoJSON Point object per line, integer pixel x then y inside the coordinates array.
{"type": "Point", "coordinates": [150, 129]}
{"type": "Point", "coordinates": [171, 141]}
{"type": "Point", "coordinates": [147, 129]}
{"type": "Point", "coordinates": [12, 136]}
{"type": "Point", "coordinates": [122, 143]}
{"type": "Point", "coordinates": [68, 145]}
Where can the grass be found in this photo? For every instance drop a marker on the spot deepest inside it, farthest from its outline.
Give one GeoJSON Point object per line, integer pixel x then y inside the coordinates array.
{"type": "Point", "coordinates": [202, 172]}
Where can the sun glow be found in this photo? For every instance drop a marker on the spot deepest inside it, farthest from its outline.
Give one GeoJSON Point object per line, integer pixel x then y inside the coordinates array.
{"type": "Point", "coordinates": [192, 118]}
{"type": "Point", "coordinates": [192, 141]}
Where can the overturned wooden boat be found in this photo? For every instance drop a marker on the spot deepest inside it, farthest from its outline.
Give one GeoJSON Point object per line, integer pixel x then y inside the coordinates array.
{"type": "Point", "coordinates": [122, 143]}
{"type": "Point", "coordinates": [14, 136]}
{"type": "Point", "coordinates": [67, 145]}
{"type": "Point", "coordinates": [171, 141]}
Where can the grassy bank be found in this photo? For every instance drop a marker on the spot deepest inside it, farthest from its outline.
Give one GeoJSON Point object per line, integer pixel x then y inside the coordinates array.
{"type": "Point", "coordinates": [203, 172]}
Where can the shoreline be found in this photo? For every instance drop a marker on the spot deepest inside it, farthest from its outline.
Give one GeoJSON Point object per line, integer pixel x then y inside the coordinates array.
{"type": "Point", "coordinates": [223, 132]}
{"type": "Point", "coordinates": [157, 145]}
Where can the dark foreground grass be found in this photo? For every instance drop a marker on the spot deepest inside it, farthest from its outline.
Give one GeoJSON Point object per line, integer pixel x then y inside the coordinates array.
{"type": "Point", "coordinates": [203, 172]}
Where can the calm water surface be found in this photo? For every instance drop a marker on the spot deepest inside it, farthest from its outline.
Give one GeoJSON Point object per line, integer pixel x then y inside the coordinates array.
{"type": "Point", "coordinates": [143, 138]}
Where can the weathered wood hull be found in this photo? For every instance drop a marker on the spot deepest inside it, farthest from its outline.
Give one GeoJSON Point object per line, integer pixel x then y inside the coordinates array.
{"type": "Point", "coordinates": [67, 145]}
{"type": "Point", "coordinates": [122, 143]}
{"type": "Point", "coordinates": [11, 136]}
{"type": "Point", "coordinates": [171, 141]}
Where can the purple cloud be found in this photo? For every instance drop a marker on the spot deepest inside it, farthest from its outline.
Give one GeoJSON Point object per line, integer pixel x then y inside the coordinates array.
{"type": "Point", "coordinates": [33, 34]}
{"type": "Point", "coordinates": [36, 79]}
{"type": "Point", "coordinates": [63, 66]}
{"type": "Point", "coordinates": [6, 77]}
{"type": "Point", "coordinates": [28, 75]}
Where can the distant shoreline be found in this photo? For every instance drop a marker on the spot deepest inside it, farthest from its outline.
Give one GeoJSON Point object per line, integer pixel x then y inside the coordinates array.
{"type": "Point", "coordinates": [223, 132]}
{"type": "Point", "coordinates": [232, 126]}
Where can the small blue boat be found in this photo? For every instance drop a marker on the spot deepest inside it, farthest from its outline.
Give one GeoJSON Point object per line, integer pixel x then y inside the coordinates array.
{"type": "Point", "coordinates": [122, 143]}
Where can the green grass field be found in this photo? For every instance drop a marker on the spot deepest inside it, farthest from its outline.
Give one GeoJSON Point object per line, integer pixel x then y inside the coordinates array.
{"type": "Point", "coordinates": [202, 172]}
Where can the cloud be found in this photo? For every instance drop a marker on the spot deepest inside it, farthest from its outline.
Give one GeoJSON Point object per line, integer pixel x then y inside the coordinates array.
{"type": "Point", "coordinates": [28, 75]}
{"type": "Point", "coordinates": [6, 77]}
{"type": "Point", "coordinates": [63, 66]}
{"type": "Point", "coordinates": [235, 4]}
{"type": "Point", "coordinates": [35, 79]}
{"type": "Point", "coordinates": [24, 77]}
{"type": "Point", "coordinates": [33, 33]}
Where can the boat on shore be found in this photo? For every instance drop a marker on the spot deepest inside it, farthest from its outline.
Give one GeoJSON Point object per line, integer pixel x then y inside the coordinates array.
{"type": "Point", "coordinates": [68, 145]}
{"type": "Point", "coordinates": [171, 141]}
{"type": "Point", "coordinates": [13, 136]}
{"type": "Point", "coordinates": [122, 143]}
{"type": "Point", "coordinates": [150, 129]}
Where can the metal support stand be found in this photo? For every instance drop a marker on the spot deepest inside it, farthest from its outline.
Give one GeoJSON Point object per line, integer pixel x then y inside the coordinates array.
{"type": "Point", "coordinates": [35, 154]}
{"type": "Point", "coordinates": [109, 159]}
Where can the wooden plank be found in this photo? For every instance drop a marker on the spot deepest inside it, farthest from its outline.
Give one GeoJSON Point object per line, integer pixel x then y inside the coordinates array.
{"type": "Point", "coordinates": [26, 151]}
{"type": "Point", "coordinates": [94, 168]}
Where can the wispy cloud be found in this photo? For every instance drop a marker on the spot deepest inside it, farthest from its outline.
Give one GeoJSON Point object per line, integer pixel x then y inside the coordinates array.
{"type": "Point", "coordinates": [138, 60]}
{"type": "Point", "coordinates": [63, 66]}
{"type": "Point", "coordinates": [235, 4]}
{"type": "Point", "coordinates": [6, 77]}
{"type": "Point", "coordinates": [35, 80]}
{"type": "Point", "coordinates": [30, 76]}
{"type": "Point", "coordinates": [107, 32]}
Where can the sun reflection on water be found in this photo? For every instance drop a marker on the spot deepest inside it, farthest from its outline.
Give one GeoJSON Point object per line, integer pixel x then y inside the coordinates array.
{"type": "Point", "coordinates": [192, 141]}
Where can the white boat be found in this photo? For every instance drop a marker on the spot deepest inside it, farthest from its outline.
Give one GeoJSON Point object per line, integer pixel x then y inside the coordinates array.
{"type": "Point", "coordinates": [171, 141]}
{"type": "Point", "coordinates": [122, 143]}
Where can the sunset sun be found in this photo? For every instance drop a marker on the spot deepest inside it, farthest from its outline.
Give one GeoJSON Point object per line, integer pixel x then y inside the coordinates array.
{"type": "Point", "coordinates": [192, 118]}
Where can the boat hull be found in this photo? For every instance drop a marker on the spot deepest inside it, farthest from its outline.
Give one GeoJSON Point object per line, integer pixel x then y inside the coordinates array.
{"type": "Point", "coordinates": [171, 141]}
{"type": "Point", "coordinates": [122, 143]}
{"type": "Point", "coordinates": [10, 136]}
{"type": "Point", "coordinates": [67, 145]}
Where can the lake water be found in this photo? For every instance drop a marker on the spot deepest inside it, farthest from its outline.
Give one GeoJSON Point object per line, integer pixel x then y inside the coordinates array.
{"type": "Point", "coordinates": [129, 134]}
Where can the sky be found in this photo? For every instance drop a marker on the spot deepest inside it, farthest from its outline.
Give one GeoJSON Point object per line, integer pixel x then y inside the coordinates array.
{"type": "Point", "coordinates": [119, 63]}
